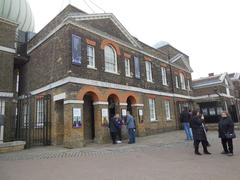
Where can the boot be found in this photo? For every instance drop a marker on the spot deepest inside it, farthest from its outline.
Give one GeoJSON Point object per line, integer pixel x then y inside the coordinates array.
{"type": "Point", "coordinates": [198, 153]}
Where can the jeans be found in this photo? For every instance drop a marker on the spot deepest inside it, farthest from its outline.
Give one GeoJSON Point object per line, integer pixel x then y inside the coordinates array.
{"type": "Point", "coordinates": [187, 130]}
{"type": "Point", "coordinates": [131, 135]}
{"type": "Point", "coordinates": [227, 145]}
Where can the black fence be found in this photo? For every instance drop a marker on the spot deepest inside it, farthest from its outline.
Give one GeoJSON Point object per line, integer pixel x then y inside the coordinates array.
{"type": "Point", "coordinates": [33, 123]}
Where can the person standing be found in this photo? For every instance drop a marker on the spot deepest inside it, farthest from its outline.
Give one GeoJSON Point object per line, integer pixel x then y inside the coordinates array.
{"type": "Point", "coordinates": [198, 133]}
{"type": "Point", "coordinates": [119, 124]}
{"type": "Point", "coordinates": [130, 123]}
{"type": "Point", "coordinates": [185, 120]}
{"type": "Point", "coordinates": [113, 129]}
{"type": "Point", "coordinates": [226, 133]}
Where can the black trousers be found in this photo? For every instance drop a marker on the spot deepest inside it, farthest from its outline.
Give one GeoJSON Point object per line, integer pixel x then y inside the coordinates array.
{"type": "Point", "coordinates": [204, 145]}
{"type": "Point", "coordinates": [113, 136]}
{"type": "Point", "coordinates": [119, 134]}
{"type": "Point", "coordinates": [227, 145]}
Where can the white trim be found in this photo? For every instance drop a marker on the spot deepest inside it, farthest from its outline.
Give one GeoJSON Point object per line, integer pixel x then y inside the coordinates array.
{"type": "Point", "coordinates": [73, 102]}
{"type": "Point", "coordinates": [7, 49]}
{"type": "Point", "coordinates": [59, 97]}
{"type": "Point", "coordinates": [6, 94]}
{"type": "Point", "coordinates": [101, 35]}
{"type": "Point", "coordinates": [137, 105]}
{"type": "Point", "coordinates": [100, 103]}
{"type": "Point", "coordinates": [106, 85]}
{"type": "Point", "coordinates": [123, 104]}
{"type": "Point", "coordinates": [211, 96]}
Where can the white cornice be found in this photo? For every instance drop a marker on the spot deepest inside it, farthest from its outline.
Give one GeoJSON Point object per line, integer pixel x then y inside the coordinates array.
{"type": "Point", "coordinates": [6, 94]}
{"type": "Point", "coordinates": [73, 102]}
{"type": "Point", "coordinates": [104, 85]}
{"type": "Point", "coordinates": [212, 96]}
{"type": "Point", "coordinates": [7, 49]}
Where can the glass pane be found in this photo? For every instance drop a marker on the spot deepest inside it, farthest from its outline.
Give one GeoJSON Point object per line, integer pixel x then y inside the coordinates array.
{"type": "Point", "coordinates": [76, 49]}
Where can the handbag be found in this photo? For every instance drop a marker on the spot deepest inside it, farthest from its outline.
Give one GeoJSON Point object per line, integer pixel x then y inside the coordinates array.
{"type": "Point", "coordinates": [230, 135]}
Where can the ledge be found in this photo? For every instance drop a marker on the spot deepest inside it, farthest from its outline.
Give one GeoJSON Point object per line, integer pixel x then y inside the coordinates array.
{"type": "Point", "coordinates": [12, 146]}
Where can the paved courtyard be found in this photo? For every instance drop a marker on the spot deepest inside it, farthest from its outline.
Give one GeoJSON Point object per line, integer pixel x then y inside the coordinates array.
{"type": "Point", "coordinates": [163, 156]}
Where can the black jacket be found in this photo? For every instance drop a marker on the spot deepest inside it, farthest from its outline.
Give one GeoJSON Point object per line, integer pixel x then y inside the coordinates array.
{"type": "Point", "coordinates": [185, 117]}
{"type": "Point", "coordinates": [225, 125]}
{"type": "Point", "coordinates": [197, 129]}
{"type": "Point", "coordinates": [113, 126]}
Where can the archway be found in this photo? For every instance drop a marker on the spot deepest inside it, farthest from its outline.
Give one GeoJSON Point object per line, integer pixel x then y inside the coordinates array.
{"type": "Point", "coordinates": [113, 102]}
{"type": "Point", "coordinates": [130, 101]}
{"type": "Point", "coordinates": [88, 116]}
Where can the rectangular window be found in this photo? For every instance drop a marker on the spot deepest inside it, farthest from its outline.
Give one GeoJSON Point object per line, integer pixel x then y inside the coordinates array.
{"type": "Point", "coordinates": [212, 111]}
{"type": "Point", "coordinates": [152, 111]}
{"type": "Point", "coordinates": [127, 68]}
{"type": "Point", "coordinates": [76, 49]}
{"type": "Point", "coordinates": [148, 71]}
{"type": "Point", "coordinates": [40, 113]}
{"type": "Point", "coordinates": [25, 115]}
{"type": "Point", "coordinates": [219, 110]}
{"type": "Point", "coordinates": [176, 79]}
{"type": "Point", "coordinates": [167, 110]}
{"type": "Point", "coordinates": [137, 67]}
{"type": "Point", "coordinates": [205, 111]}
{"type": "Point", "coordinates": [2, 107]}
{"type": "Point", "coordinates": [188, 85]}
{"type": "Point", "coordinates": [164, 76]}
{"type": "Point", "coordinates": [91, 56]}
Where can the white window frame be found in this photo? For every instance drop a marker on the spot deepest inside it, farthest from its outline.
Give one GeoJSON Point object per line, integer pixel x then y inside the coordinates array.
{"type": "Point", "coordinates": [152, 109]}
{"type": "Point", "coordinates": [91, 57]}
{"type": "Point", "coordinates": [2, 106]}
{"type": "Point", "coordinates": [107, 61]}
{"type": "Point", "coordinates": [167, 110]}
{"type": "Point", "coordinates": [148, 66]}
{"type": "Point", "coordinates": [127, 67]}
{"type": "Point", "coordinates": [182, 80]}
{"type": "Point", "coordinates": [176, 80]}
{"type": "Point", "coordinates": [164, 76]}
{"type": "Point", "coordinates": [39, 113]}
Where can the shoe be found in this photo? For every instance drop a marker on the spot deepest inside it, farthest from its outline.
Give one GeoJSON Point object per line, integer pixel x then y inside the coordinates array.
{"type": "Point", "coordinates": [198, 153]}
{"type": "Point", "coordinates": [206, 152]}
{"type": "Point", "coordinates": [118, 142]}
{"type": "Point", "coordinates": [230, 154]}
{"type": "Point", "coordinates": [224, 152]}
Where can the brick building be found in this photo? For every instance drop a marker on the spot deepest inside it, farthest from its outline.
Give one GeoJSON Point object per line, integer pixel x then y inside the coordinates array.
{"type": "Point", "coordinates": [81, 69]}
{"type": "Point", "coordinates": [216, 93]}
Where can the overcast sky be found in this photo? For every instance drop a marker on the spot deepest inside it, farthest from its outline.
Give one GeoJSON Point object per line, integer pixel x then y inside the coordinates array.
{"type": "Point", "coordinates": [208, 31]}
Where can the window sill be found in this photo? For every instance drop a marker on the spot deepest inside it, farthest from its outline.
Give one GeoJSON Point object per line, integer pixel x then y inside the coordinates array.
{"type": "Point", "coordinates": [129, 76]}
{"type": "Point", "coordinates": [154, 121]}
{"type": "Point", "coordinates": [112, 72]}
{"type": "Point", "coordinates": [150, 81]}
{"type": "Point", "coordinates": [169, 120]}
{"type": "Point", "coordinates": [165, 85]}
{"type": "Point", "coordinates": [90, 67]}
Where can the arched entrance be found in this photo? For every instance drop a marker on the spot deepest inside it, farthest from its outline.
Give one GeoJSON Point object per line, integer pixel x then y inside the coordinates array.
{"type": "Point", "coordinates": [88, 116]}
{"type": "Point", "coordinates": [130, 101]}
{"type": "Point", "coordinates": [113, 103]}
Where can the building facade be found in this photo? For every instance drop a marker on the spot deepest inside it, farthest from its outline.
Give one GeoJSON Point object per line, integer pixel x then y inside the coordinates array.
{"type": "Point", "coordinates": [214, 94]}
{"type": "Point", "coordinates": [81, 69]}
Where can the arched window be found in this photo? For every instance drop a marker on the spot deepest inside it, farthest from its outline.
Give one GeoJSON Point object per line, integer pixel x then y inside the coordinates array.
{"type": "Point", "coordinates": [182, 79]}
{"type": "Point", "coordinates": [110, 59]}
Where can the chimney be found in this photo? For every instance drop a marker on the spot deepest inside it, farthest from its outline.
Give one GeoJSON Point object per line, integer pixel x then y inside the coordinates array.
{"type": "Point", "coordinates": [210, 74]}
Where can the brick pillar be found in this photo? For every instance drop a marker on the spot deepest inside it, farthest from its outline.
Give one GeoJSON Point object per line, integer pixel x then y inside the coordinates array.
{"type": "Point", "coordinates": [101, 130]}
{"type": "Point", "coordinates": [73, 137]}
{"type": "Point", "coordinates": [140, 129]}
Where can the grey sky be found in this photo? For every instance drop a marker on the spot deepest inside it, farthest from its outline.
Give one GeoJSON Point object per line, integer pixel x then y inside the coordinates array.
{"type": "Point", "coordinates": [206, 30]}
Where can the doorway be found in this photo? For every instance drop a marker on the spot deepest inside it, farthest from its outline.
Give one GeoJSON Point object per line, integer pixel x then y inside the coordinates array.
{"type": "Point", "coordinates": [88, 115]}
{"type": "Point", "coordinates": [59, 110]}
{"type": "Point", "coordinates": [112, 105]}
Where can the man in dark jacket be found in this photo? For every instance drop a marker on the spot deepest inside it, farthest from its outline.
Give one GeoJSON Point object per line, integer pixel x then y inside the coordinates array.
{"type": "Point", "coordinates": [225, 127]}
{"type": "Point", "coordinates": [185, 120]}
{"type": "Point", "coordinates": [113, 126]}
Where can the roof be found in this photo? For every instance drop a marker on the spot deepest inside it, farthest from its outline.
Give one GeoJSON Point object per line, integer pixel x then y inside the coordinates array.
{"type": "Point", "coordinates": [19, 12]}
{"type": "Point", "coordinates": [234, 76]}
{"type": "Point", "coordinates": [209, 81]}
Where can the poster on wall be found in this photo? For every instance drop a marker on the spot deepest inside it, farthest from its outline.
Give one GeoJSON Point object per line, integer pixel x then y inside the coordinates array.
{"type": "Point", "coordinates": [77, 118]}
{"type": "Point", "coordinates": [140, 115]}
{"type": "Point", "coordinates": [124, 112]}
{"type": "Point", "coordinates": [76, 49]}
{"type": "Point", "coordinates": [105, 119]}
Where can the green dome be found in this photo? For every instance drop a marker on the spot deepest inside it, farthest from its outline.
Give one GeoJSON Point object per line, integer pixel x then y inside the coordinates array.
{"type": "Point", "coordinates": [18, 11]}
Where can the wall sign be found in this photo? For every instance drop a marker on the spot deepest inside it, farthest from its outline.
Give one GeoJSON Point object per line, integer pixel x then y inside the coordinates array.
{"type": "Point", "coordinates": [105, 119]}
{"type": "Point", "coordinates": [124, 112]}
{"type": "Point", "coordinates": [77, 118]}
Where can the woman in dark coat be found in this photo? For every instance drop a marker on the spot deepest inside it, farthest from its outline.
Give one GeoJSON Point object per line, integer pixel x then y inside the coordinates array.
{"type": "Point", "coordinates": [199, 134]}
{"type": "Point", "coordinates": [225, 127]}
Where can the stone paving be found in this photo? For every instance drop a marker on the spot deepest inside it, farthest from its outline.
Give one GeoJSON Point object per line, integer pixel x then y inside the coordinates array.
{"type": "Point", "coordinates": [162, 156]}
